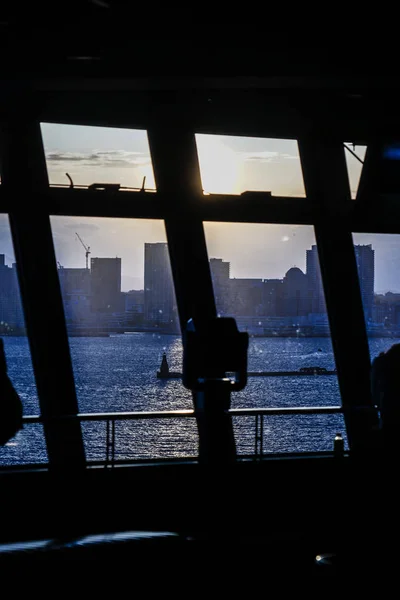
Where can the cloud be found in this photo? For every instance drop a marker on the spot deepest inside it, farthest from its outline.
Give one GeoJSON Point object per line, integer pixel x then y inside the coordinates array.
{"type": "Point", "coordinates": [100, 158]}
{"type": "Point", "coordinates": [268, 156]}
{"type": "Point", "coordinates": [83, 226]}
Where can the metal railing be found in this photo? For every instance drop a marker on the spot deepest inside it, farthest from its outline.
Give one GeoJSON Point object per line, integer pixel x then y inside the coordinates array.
{"type": "Point", "coordinates": [258, 413]}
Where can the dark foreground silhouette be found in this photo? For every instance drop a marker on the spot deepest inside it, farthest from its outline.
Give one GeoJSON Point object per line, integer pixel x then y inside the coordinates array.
{"type": "Point", "coordinates": [10, 403]}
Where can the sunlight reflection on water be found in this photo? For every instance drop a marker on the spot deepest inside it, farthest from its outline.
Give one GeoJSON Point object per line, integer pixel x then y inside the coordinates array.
{"type": "Point", "coordinates": [119, 374]}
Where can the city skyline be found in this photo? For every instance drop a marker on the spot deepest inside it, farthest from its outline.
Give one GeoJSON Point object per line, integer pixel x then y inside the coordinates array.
{"type": "Point", "coordinates": [225, 266]}
{"type": "Point", "coordinates": [94, 300]}
{"type": "Point", "coordinates": [257, 260]}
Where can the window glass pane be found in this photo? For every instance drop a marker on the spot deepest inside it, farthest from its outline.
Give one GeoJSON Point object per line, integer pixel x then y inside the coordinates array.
{"type": "Point", "coordinates": [378, 261]}
{"type": "Point", "coordinates": [28, 445]}
{"type": "Point", "coordinates": [354, 166]}
{"type": "Point", "coordinates": [288, 434]}
{"type": "Point", "coordinates": [97, 155]}
{"type": "Point", "coordinates": [167, 438]}
{"type": "Point", "coordinates": [233, 164]}
{"type": "Point", "coordinates": [121, 318]}
{"type": "Point", "coordinates": [268, 278]}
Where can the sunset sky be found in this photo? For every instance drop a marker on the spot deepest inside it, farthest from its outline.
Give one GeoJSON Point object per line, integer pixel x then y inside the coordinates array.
{"type": "Point", "coordinates": [228, 164]}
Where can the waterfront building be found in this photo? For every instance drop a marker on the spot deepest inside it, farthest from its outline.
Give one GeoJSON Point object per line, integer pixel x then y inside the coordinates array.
{"type": "Point", "coordinates": [75, 287]}
{"type": "Point", "coordinates": [365, 257]}
{"type": "Point", "coordinates": [159, 297]}
{"type": "Point", "coordinates": [134, 306]}
{"type": "Point", "coordinates": [106, 285]}
{"type": "Point", "coordinates": [134, 301]}
{"type": "Point", "coordinates": [246, 297]}
{"type": "Point", "coordinates": [297, 299]}
{"type": "Point", "coordinates": [313, 273]}
{"type": "Point", "coordinates": [272, 296]}
{"type": "Point", "coordinates": [220, 275]}
{"type": "Point", "coordinates": [11, 315]}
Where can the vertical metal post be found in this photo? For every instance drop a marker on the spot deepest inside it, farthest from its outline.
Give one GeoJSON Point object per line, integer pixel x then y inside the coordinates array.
{"type": "Point", "coordinates": [177, 175]}
{"type": "Point", "coordinates": [25, 183]}
{"type": "Point", "coordinates": [110, 443]}
{"type": "Point", "coordinates": [107, 443]}
{"type": "Point", "coordinates": [256, 437]}
{"type": "Point", "coordinates": [327, 188]}
{"type": "Point", "coordinates": [113, 443]}
{"type": "Point", "coordinates": [259, 434]}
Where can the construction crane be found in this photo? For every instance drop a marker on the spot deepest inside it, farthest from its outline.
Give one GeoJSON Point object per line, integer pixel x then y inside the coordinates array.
{"type": "Point", "coordinates": [87, 248]}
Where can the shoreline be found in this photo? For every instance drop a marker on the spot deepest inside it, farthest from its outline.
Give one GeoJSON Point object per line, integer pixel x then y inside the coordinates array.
{"type": "Point", "coordinates": [104, 334]}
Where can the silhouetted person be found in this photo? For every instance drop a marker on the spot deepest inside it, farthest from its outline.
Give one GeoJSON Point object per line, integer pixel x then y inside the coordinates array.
{"type": "Point", "coordinates": [385, 390]}
{"type": "Point", "coordinates": [10, 403]}
{"type": "Point", "coordinates": [373, 520]}
{"type": "Point", "coordinates": [385, 385]}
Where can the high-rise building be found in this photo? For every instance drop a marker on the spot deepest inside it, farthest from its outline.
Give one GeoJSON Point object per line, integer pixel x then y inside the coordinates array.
{"type": "Point", "coordinates": [106, 285]}
{"type": "Point", "coordinates": [365, 257]}
{"type": "Point", "coordinates": [159, 297]}
{"type": "Point", "coordinates": [220, 271]}
{"type": "Point", "coordinates": [75, 287]}
{"type": "Point", "coordinates": [11, 315]}
{"type": "Point", "coordinates": [313, 273]}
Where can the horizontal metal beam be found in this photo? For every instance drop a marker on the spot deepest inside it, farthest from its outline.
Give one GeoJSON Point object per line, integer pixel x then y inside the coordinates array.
{"type": "Point", "coordinates": [155, 205]}
{"type": "Point", "coordinates": [115, 416]}
{"type": "Point", "coordinates": [245, 208]}
{"type": "Point", "coordinates": [184, 414]}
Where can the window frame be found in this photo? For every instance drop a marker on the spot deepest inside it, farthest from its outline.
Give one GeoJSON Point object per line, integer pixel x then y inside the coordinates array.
{"type": "Point", "coordinates": [178, 200]}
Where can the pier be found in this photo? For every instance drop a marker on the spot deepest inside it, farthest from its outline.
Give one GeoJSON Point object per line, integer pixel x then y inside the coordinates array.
{"type": "Point", "coordinates": [165, 373]}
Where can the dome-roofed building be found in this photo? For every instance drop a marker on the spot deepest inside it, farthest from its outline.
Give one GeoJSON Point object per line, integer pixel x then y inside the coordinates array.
{"type": "Point", "coordinates": [296, 293]}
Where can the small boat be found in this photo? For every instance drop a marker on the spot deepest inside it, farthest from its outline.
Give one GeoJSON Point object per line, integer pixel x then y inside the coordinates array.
{"type": "Point", "coordinates": [164, 372]}
{"type": "Point", "coordinates": [314, 370]}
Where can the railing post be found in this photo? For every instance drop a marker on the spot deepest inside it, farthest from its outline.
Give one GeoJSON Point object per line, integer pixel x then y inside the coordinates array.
{"type": "Point", "coordinates": [107, 443]}
{"type": "Point", "coordinates": [259, 433]}
{"type": "Point", "coordinates": [113, 443]}
{"type": "Point", "coordinates": [256, 436]}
